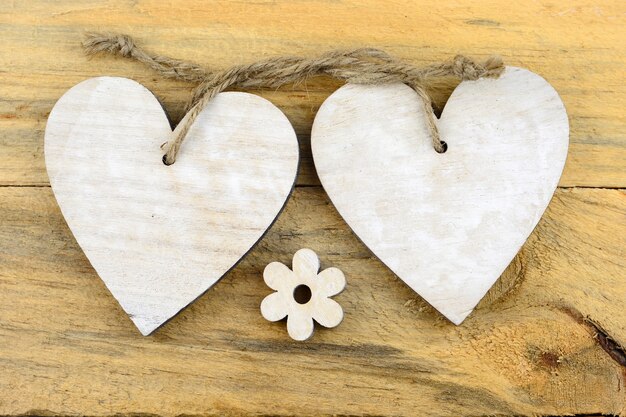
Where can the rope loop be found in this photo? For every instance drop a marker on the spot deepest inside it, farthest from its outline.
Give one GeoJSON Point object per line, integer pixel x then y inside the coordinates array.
{"type": "Point", "coordinates": [360, 66]}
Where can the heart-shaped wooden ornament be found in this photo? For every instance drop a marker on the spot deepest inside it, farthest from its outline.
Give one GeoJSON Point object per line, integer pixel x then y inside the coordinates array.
{"type": "Point", "coordinates": [159, 236]}
{"type": "Point", "coordinates": [447, 224]}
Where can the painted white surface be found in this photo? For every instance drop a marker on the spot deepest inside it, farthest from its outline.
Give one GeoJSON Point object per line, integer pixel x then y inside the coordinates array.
{"type": "Point", "coordinates": [447, 224]}
{"type": "Point", "coordinates": [160, 236]}
{"type": "Point", "coordinates": [320, 307]}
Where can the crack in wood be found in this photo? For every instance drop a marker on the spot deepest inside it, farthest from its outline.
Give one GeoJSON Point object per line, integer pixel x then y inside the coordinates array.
{"type": "Point", "coordinates": [604, 340]}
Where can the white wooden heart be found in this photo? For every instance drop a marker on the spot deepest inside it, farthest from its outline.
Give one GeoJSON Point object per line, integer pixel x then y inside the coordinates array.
{"type": "Point", "coordinates": [159, 236]}
{"type": "Point", "coordinates": [447, 224]}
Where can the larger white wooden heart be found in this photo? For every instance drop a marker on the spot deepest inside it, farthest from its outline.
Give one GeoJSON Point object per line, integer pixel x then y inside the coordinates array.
{"type": "Point", "coordinates": [159, 236]}
{"type": "Point", "coordinates": [447, 224]}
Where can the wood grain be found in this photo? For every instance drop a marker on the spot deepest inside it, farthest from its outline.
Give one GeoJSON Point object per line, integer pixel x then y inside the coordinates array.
{"type": "Point", "coordinates": [447, 224]}
{"type": "Point", "coordinates": [68, 348]}
{"type": "Point", "coordinates": [577, 46]}
{"type": "Point", "coordinates": [546, 340]}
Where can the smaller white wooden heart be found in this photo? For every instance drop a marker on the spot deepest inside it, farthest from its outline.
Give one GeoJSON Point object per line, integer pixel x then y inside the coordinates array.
{"type": "Point", "coordinates": [159, 236]}
{"type": "Point", "coordinates": [447, 224]}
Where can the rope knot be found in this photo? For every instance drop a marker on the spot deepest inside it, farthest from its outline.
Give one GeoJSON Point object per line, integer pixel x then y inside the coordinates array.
{"type": "Point", "coordinates": [363, 66]}
{"type": "Point", "coordinates": [466, 69]}
{"type": "Point", "coordinates": [112, 43]}
{"type": "Point", "coordinates": [125, 45]}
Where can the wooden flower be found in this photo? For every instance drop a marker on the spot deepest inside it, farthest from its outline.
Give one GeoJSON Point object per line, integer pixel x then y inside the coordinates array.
{"type": "Point", "coordinates": [302, 295]}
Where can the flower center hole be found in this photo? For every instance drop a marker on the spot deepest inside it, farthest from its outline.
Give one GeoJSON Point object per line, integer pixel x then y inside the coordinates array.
{"type": "Point", "coordinates": [302, 294]}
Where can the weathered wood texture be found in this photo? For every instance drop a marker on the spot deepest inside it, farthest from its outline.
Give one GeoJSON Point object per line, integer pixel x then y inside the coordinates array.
{"type": "Point", "coordinates": [68, 347]}
{"type": "Point", "coordinates": [545, 341]}
{"type": "Point", "coordinates": [578, 46]}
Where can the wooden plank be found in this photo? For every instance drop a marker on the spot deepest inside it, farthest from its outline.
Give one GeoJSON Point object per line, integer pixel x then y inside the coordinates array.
{"type": "Point", "coordinates": [547, 339]}
{"type": "Point", "coordinates": [577, 46]}
{"type": "Point", "coordinates": [532, 347]}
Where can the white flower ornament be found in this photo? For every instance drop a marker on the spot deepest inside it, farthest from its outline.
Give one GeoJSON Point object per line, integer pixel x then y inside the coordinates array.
{"type": "Point", "coordinates": [302, 295]}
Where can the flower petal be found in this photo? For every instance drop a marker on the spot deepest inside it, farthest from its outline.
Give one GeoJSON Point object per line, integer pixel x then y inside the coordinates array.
{"type": "Point", "coordinates": [278, 277]}
{"type": "Point", "coordinates": [299, 324]}
{"type": "Point", "coordinates": [274, 307]}
{"type": "Point", "coordinates": [331, 282]}
{"type": "Point", "coordinates": [305, 264]}
{"type": "Point", "coordinates": [327, 312]}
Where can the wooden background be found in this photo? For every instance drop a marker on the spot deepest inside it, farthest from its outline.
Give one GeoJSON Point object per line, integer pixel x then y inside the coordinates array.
{"type": "Point", "coordinates": [547, 340]}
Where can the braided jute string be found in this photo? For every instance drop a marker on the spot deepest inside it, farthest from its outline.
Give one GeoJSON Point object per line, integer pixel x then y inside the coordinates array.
{"type": "Point", "coordinates": [360, 66]}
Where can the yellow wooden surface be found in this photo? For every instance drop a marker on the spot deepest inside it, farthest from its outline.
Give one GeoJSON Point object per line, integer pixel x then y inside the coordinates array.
{"type": "Point", "coordinates": [547, 340]}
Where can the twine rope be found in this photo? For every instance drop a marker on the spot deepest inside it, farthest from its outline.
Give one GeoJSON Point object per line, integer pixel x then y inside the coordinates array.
{"type": "Point", "coordinates": [360, 66]}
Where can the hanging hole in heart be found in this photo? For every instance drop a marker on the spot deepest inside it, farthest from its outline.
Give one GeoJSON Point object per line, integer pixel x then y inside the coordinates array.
{"type": "Point", "coordinates": [444, 147]}
{"type": "Point", "coordinates": [302, 294]}
{"type": "Point", "coordinates": [165, 160]}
